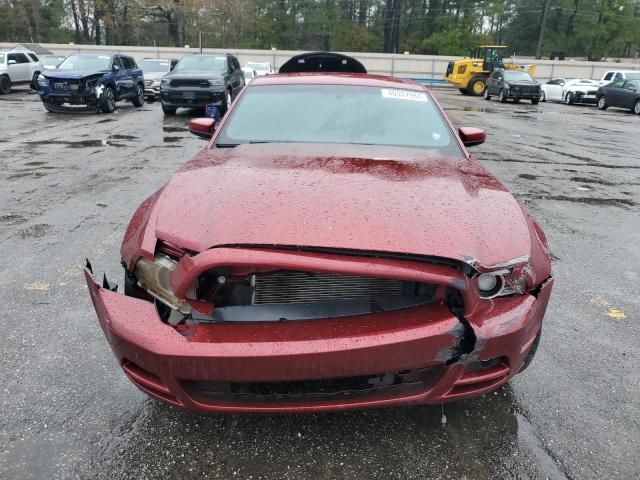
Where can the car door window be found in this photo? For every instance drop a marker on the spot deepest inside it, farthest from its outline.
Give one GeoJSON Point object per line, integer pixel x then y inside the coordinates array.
{"type": "Point", "coordinates": [118, 63]}
{"type": "Point", "coordinates": [18, 57]}
{"type": "Point", "coordinates": [33, 57]}
{"type": "Point", "coordinates": [618, 77]}
{"type": "Point", "coordinates": [127, 63]}
{"type": "Point", "coordinates": [618, 84]}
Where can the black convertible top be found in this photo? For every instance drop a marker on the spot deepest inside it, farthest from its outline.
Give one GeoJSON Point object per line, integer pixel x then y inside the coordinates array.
{"type": "Point", "coordinates": [322, 62]}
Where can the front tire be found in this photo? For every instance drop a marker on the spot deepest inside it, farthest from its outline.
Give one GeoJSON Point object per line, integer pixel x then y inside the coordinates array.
{"type": "Point", "coordinates": [543, 97]}
{"type": "Point", "coordinates": [108, 100]}
{"type": "Point", "coordinates": [476, 87]}
{"type": "Point", "coordinates": [636, 107]}
{"type": "Point", "coordinates": [34, 81]}
{"type": "Point", "coordinates": [138, 101]}
{"type": "Point", "coordinates": [534, 101]}
{"type": "Point", "coordinates": [502, 96]}
{"type": "Point", "coordinates": [569, 100]}
{"type": "Point", "coordinates": [5, 84]}
{"type": "Point", "coordinates": [227, 103]}
{"type": "Point", "coordinates": [602, 103]}
{"type": "Point", "coordinates": [486, 95]}
{"type": "Point", "coordinates": [168, 110]}
{"type": "Point", "coordinates": [532, 352]}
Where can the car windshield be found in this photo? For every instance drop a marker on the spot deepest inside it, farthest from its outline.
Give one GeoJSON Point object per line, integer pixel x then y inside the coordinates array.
{"type": "Point", "coordinates": [154, 65]}
{"type": "Point", "coordinates": [583, 82]}
{"type": "Point", "coordinates": [85, 62]}
{"type": "Point", "coordinates": [248, 75]}
{"type": "Point", "coordinates": [196, 62]}
{"type": "Point", "coordinates": [345, 114]}
{"type": "Point", "coordinates": [516, 76]}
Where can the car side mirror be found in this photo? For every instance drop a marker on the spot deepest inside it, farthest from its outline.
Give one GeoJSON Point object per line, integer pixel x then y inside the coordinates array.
{"type": "Point", "coordinates": [472, 136]}
{"type": "Point", "coordinates": [202, 127]}
{"type": "Point", "coordinates": [631, 88]}
{"type": "Point", "coordinates": [116, 68]}
{"type": "Point", "coordinates": [11, 62]}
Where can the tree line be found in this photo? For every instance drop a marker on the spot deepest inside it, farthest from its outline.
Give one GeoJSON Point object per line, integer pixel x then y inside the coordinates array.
{"type": "Point", "coordinates": [583, 28]}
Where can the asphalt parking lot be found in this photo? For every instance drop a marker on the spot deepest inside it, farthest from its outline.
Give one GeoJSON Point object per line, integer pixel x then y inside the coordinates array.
{"type": "Point", "coordinates": [68, 187]}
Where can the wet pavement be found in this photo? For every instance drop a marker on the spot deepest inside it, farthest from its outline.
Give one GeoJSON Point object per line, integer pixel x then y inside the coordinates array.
{"type": "Point", "coordinates": [70, 183]}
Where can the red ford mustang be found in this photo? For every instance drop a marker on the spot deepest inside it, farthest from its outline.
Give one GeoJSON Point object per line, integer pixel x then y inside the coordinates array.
{"type": "Point", "coordinates": [333, 247]}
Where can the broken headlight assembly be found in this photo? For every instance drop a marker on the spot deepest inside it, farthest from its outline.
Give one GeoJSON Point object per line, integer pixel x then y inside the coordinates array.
{"type": "Point", "coordinates": [501, 283]}
{"type": "Point", "coordinates": [43, 81]}
{"type": "Point", "coordinates": [153, 276]}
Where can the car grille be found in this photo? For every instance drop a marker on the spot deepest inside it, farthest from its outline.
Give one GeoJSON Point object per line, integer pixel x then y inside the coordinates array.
{"type": "Point", "coordinates": [148, 83]}
{"type": "Point", "coordinates": [405, 382]}
{"type": "Point", "coordinates": [187, 82]}
{"type": "Point", "coordinates": [525, 90]}
{"type": "Point", "coordinates": [65, 85]}
{"type": "Point", "coordinates": [591, 92]}
{"type": "Point", "coordinates": [303, 287]}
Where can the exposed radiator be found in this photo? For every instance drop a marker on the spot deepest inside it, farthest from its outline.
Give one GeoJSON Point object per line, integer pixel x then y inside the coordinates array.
{"type": "Point", "coordinates": [288, 286]}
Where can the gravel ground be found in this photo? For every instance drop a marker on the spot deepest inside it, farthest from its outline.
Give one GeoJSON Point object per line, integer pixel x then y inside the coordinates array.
{"type": "Point", "coordinates": [70, 183]}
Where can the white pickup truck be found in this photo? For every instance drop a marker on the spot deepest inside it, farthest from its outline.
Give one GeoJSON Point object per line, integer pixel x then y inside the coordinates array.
{"type": "Point", "coordinates": [18, 68]}
{"type": "Point", "coordinates": [617, 75]}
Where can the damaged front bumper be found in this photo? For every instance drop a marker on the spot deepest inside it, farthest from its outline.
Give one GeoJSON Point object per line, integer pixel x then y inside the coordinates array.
{"type": "Point", "coordinates": [423, 354]}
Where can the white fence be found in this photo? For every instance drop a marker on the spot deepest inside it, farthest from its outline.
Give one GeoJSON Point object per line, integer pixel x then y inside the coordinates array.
{"type": "Point", "coordinates": [408, 66]}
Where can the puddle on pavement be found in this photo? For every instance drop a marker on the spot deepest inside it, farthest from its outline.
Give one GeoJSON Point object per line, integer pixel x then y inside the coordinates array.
{"type": "Point", "coordinates": [12, 219]}
{"type": "Point", "coordinates": [472, 109]}
{"type": "Point", "coordinates": [592, 180]}
{"type": "Point", "coordinates": [35, 164]}
{"type": "Point", "coordinates": [35, 231]}
{"type": "Point", "coordinates": [174, 129]}
{"type": "Point", "coordinates": [528, 176]}
{"type": "Point", "coordinates": [26, 173]}
{"type": "Point", "coordinates": [105, 120]}
{"type": "Point", "coordinates": [610, 202]}
{"type": "Point", "coordinates": [78, 143]}
{"type": "Point", "coordinates": [118, 136]}
{"type": "Point", "coordinates": [171, 139]}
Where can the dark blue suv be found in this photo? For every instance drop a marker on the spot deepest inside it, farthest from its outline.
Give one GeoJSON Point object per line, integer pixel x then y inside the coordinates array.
{"type": "Point", "coordinates": [92, 82]}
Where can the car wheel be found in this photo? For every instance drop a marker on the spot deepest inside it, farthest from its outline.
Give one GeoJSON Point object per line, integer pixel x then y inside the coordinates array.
{"type": "Point", "coordinates": [138, 101]}
{"type": "Point", "coordinates": [486, 94]}
{"type": "Point", "coordinates": [543, 97]}
{"type": "Point", "coordinates": [34, 81]}
{"type": "Point", "coordinates": [569, 99]}
{"type": "Point", "coordinates": [636, 108]}
{"type": "Point", "coordinates": [534, 101]}
{"type": "Point", "coordinates": [168, 110]}
{"type": "Point", "coordinates": [532, 352]}
{"type": "Point", "coordinates": [108, 100]}
{"type": "Point", "coordinates": [463, 90]}
{"type": "Point", "coordinates": [502, 96]}
{"type": "Point", "coordinates": [5, 84]}
{"type": "Point", "coordinates": [516, 100]}
{"type": "Point", "coordinates": [476, 87]}
{"type": "Point", "coordinates": [227, 102]}
{"type": "Point", "coordinates": [602, 103]}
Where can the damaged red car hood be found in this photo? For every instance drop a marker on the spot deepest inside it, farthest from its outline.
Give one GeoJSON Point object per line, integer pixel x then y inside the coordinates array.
{"type": "Point", "coordinates": [345, 197]}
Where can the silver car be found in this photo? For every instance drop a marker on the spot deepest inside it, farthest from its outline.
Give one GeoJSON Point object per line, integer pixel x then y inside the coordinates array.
{"type": "Point", "coordinates": [153, 70]}
{"type": "Point", "coordinates": [19, 68]}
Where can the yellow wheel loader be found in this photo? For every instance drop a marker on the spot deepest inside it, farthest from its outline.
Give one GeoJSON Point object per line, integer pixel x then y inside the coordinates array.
{"type": "Point", "coordinates": [470, 74]}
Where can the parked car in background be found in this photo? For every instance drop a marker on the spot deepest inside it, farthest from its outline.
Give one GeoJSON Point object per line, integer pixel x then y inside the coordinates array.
{"type": "Point", "coordinates": [261, 68]}
{"type": "Point", "coordinates": [620, 94]}
{"type": "Point", "coordinates": [569, 90]}
{"type": "Point", "coordinates": [92, 82]}
{"type": "Point", "coordinates": [249, 74]}
{"type": "Point", "coordinates": [153, 70]}
{"type": "Point", "coordinates": [617, 75]}
{"type": "Point", "coordinates": [19, 68]}
{"type": "Point", "coordinates": [51, 62]}
{"type": "Point", "coordinates": [334, 247]}
{"type": "Point", "coordinates": [512, 85]}
{"type": "Point", "coordinates": [201, 80]}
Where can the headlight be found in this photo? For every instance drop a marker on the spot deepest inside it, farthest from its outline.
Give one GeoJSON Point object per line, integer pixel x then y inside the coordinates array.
{"type": "Point", "coordinates": [43, 81]}
{"type": "Point", "coordinates": [216, 83]}
{"type": "Point", "coordinates": [506, 85]}
{"type": "Point", "coordinates": [93, 83]}
{"type": "Point", "coordinates": [501, 284]}
{"type": "Point", "coordinates": [153, 276]}
{"type": "Point", "coordinates": [165, 82]}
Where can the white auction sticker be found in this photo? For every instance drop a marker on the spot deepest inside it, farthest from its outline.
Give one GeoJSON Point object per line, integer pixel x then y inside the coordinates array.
{"type": "Point", "coordinates": [404, 94]}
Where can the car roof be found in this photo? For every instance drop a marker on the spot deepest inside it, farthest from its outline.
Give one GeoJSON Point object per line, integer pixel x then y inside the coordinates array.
{"type": "Point", "coordinates": [360, 79]}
